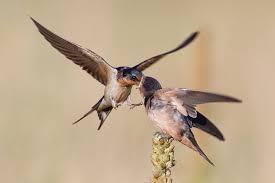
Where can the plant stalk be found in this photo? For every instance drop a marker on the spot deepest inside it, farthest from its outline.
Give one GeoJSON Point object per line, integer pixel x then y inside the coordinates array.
{"type": "Point", "coordinates": [162, 158]}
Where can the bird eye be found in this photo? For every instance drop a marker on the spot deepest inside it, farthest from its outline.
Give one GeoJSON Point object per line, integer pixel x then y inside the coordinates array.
{"type": "Point", "coordinates": [133, 77]}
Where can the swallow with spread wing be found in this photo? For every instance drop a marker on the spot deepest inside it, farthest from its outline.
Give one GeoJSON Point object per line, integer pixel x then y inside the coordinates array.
{"type": "Point", "coordinates": [173, 111]}
{"type": "Point", "coordinates": [118, 81]}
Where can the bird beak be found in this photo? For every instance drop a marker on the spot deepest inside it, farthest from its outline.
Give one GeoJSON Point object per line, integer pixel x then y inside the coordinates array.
{"type": "Point", "coordinates": [140, 83]}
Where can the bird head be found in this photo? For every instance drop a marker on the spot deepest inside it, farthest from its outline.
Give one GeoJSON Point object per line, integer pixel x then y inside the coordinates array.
{"type": "Point", "coordinates": [128, 76]}
{"type": "Point", "coordinates": [148, 86]}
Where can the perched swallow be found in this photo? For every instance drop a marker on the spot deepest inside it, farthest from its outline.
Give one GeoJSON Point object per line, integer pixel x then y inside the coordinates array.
{"type": "Point", "coordinates": [173, 111]}
{"type": "Point", "coordinates": [118, 81]}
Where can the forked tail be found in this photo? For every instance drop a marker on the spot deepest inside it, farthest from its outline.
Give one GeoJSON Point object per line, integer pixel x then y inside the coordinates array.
{"type": "Point", "coordinates": [90, 111]}
{"type": "Point", "coordinates": [189, 140]}
{"type": "Point", "coordinates": [102, 115]}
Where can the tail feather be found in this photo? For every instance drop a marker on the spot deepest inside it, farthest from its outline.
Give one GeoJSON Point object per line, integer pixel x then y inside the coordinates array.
{"type": "Point", "coordinates": [204, 124]}
{"type": "Point", "coordinates": [103, 115]}
{"type": "Point", "coordinates": [189, 140]}
{"type": "Point", "coordinates": [90, 111]}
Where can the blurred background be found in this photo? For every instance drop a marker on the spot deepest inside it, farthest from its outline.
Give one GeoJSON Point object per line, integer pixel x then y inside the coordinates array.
{"type": "Point", "coordinates": [42, 92]}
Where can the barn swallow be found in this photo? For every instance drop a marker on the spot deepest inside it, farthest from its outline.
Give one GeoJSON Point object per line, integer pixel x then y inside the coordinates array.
{"type": "Point", "coordinates": [173, 112]}
{"type": "Point", "coordinates": [118, 81]}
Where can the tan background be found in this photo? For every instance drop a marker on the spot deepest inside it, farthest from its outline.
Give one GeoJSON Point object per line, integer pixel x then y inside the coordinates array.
{"type": "Point", "coordinates": [42, 93]}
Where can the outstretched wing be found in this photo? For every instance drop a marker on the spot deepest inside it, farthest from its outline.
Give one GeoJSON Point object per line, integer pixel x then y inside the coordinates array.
{"type": "Point", "coordinates": [194, 97]}
{"type": "Point", "coordinates": [147, 63]}
{"type": "Point", "coordinates": [186, 100]}
{"type": "Point", "coordinates": [95, 65]}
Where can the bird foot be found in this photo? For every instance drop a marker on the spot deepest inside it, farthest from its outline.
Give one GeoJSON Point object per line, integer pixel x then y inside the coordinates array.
{"type": "Point", "coordinates": [160, 135]}
{"type": "Point", "coordinates": [132, 106]}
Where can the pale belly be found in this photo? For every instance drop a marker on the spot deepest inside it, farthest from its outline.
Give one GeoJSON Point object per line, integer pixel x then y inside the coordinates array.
{"type": "Point", "coordinates": [167, 120]}
{"type": "Point", "coordinates": [120, 95]}
{"type": "Point", "coordinates": [117, 93]}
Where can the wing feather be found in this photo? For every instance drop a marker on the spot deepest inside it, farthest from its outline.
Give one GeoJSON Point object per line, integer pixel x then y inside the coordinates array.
{"type": "Point", "coordinates": [95, 65]}
{"type": "Point", "coordinates": [193, 97]}
{"type": "Point", "coordinates": [186, 100]}
{"type": "Point", "coordinates": [147, 63]}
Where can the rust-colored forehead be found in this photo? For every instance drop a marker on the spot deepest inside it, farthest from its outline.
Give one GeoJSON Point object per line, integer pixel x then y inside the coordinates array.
{"type": "Point", "coordinates": [127, 82]}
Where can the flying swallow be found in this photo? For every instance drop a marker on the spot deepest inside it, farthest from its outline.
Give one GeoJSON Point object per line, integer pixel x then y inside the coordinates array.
{"type": "Point", "coordinates": [118, 81]}
{"type": "Point", "coordinates": [173, 111]}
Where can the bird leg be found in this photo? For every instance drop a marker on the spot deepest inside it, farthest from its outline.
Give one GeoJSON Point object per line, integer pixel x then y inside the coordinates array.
{"type": "Point", "coordinates": [132, 106]}
{"type": "Point", "coordinates": [129, 103]}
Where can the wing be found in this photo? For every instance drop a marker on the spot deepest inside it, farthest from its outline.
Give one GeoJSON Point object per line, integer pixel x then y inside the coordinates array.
{"type": "Point", "coordinates": [204, 124]}
{"type": "Point", "coordinates": [147, 63]}
{"type": "Point", "coordinates": [186, 100]}
{"type": "Point", "coordinates": [95, 65]}
{"type": "Point", "coordinates": [193, 97]}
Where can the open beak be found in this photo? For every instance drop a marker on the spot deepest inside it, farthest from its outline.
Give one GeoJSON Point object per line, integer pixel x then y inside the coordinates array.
{"type": "Point", "coordinates": [140, 83]}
